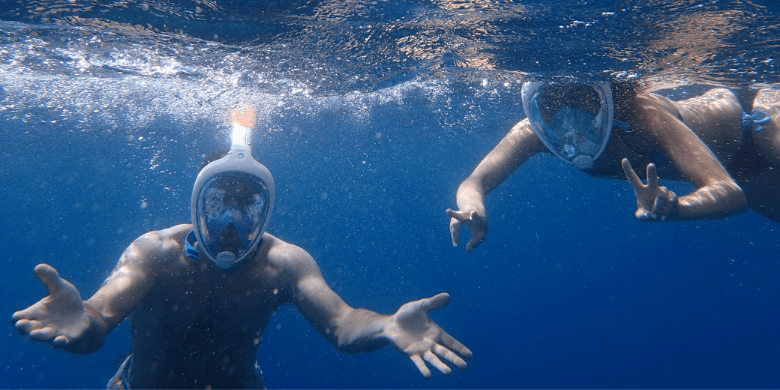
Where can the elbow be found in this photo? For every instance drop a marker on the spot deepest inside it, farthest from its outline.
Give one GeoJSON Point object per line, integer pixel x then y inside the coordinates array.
{"type": "Point", "coordinates": [735, 201]}
{"type": "Point", "coordinates": [741, 205]}
{"type": "Point", "coordinates": [713, 201]}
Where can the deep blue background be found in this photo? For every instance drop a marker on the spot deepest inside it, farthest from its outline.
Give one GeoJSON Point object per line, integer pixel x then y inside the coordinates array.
{"type": "Point", "coordinates": [568, 291]}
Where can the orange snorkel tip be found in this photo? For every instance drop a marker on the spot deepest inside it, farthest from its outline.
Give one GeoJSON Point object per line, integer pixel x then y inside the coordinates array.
{"type": "Point", "coordinates": [246, 117]}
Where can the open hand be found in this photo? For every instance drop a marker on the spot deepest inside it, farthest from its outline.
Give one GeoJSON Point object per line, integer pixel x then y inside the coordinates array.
{"type": "Point", "coordinates": [654, 202]}
{"type": "Point", "coordinates": [59, 318]}
{"type": "Point", "coordinates": [412, 332]}
{"type": "Point", "coordinates": [475, 220]}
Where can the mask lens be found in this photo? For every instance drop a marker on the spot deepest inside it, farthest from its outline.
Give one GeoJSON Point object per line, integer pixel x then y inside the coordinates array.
{"type": "Point", "coordinates": [232, 208]}
{"type": "Point", "coordinates": [572, 120]}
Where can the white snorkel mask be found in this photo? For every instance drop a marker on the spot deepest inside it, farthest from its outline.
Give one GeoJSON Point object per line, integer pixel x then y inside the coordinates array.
{"type": "Point", "coordinates": [232, 201]}
{"type": "Point", "coordinates": [574, 120]}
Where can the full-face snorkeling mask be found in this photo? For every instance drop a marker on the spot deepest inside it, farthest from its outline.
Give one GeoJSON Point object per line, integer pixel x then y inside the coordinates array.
{"type": "Point", "coordinates": [574, 120]}
{"type": "Point", "coordinates": [232, 202]}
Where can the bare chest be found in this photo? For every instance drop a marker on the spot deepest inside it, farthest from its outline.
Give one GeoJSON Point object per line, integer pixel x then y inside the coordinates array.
{"type": "Point", "coordinates": [228, 307]}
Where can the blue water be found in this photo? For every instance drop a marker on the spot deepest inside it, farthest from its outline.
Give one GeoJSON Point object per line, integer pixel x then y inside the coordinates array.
{"type": "Point", "coordinates": [370, 115]}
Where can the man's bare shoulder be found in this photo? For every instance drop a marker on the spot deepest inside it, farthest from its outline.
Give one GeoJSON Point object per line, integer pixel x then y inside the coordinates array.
{"type": "Point", "coordinates": [156, 238]}
{"type": "Point", "coordinates": [287, 257]}
{"type": "Point", "coordinates": [157, 245]}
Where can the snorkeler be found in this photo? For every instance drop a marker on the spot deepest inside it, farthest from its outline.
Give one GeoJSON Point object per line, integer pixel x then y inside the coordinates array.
{"type": "Point", "coordinates": [201, 295]}
{"type": "Point", "coordinates": [727, 147]}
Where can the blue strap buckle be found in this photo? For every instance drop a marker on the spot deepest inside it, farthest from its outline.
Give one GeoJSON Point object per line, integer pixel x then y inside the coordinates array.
{"type": "Point", "coordinates": [755, 121]}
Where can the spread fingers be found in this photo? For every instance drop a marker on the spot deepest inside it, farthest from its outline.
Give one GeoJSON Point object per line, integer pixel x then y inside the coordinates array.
{"type": "Point", "coordinates": [436, 362]}
{"type": "Point", "coordinates": [417, 360]}
{"type": "Point", "coordinates": [450, 356]}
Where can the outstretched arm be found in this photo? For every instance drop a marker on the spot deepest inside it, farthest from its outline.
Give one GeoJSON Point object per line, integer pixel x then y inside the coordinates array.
{"type": "Point", "coordinates": [520, 144]}
{"type": "Point", "coordinates": [410, 330]}
{"type": "Point", "coordinates": [717, 194]}
{"type": "Point", "coordinates": [65, 321]}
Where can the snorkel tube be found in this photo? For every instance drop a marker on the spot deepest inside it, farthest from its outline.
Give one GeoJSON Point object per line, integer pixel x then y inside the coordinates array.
{"type": "Point", "coordinates": [238, 166]}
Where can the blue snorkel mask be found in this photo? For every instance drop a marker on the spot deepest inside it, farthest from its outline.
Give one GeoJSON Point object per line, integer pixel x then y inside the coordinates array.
{"type": "Point", "coordinates": [574, 120]}
{"type": "Point", "coordinates": [232, 203]}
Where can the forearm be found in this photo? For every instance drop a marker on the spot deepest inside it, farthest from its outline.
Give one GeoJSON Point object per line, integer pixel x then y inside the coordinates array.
{"type": "Point", "coordinates": [95, 335]}
{"type": "Point", "coordinates": [360, 330]}
{"type": "Point", "coordinates": [519, 145]}
{"type": "Point", "coordinates": [493, 170]}
{"type": "Point", "coordinates": [712, 201]}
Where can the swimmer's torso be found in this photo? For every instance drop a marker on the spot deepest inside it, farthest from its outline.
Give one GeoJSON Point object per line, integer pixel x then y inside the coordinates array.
{"type": "Point", "coordinates": [200, 326]}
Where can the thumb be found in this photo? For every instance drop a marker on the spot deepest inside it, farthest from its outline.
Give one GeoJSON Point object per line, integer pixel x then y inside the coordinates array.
{"type": "Point", "coordinates": [49, 276]}
{"type": "Point", "coordinates": [435, 302]}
